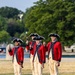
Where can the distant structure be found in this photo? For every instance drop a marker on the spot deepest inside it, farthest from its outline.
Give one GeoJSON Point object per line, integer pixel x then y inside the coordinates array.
{"type": "Point", "coordinates": [20, 16]}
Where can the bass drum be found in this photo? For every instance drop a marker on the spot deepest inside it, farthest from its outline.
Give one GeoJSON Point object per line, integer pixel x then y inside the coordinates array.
{"type": "Point", "coordinates": [8, 57]}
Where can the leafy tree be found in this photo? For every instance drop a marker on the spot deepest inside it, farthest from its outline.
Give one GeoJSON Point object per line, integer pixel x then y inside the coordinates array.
{"type": "Point", "coordinates": [4, 36]}
{"type": "Point", "coordinates": [14, 27]}
{"type": "Point", "coordinates": [52, 16]}
{"type": "Point", "coordinates": [9, 12]}
{"type": "Point", "coordinates": [10, 23]}
{"type": "Point", "coordinates": [3, 23]}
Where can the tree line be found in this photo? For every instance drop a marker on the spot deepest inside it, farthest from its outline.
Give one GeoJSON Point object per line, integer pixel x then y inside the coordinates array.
{"type": "Point", "coordinates": [10, 24]}
{"type": "Point", "coordinates": [52, 16]}
{"type": "Point", "coordinates": [46, 16]}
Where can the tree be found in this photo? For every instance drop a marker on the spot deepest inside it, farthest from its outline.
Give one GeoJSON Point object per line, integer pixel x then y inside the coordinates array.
{"type": "Point", "coordinates": [9, 12]}
{"type": "Point", "coordinates": [15, 28]}
{"type": "Point", "coordinates": [4, 36]}
{"type": "Point", "coordinates": [3, 24]}
{"type": "Point", "coordinates": [52, 16]}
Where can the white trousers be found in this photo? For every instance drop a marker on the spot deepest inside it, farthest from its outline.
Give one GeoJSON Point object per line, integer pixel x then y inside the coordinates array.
{"type": "Point", "coordinates": [17, 67]}
{"type": "Point", "coordinates": [32, 66]}
{"type": "Point", "coordinates": [53, 68]}
{"type": "Point", "coordinates": [37, 66]}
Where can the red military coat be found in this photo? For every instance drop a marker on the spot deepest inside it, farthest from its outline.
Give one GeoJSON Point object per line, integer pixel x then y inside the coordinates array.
{"type": "Point", "coordinates": [41, 53]}
{"type": "Point", "coordinates": [57, 51]}
{"type": "Point", "coordinates": [45, 50]}
{"type": "Point", "coordinates": [20, 54]}
{"type": "Point", "coordinates": [30, 49]}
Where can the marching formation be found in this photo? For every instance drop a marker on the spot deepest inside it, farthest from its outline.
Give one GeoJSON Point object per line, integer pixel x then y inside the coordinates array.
{"type": "Point", "coordinates": [39, 51]}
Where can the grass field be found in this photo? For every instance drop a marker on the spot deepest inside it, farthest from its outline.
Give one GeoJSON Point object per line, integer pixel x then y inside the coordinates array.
{"type": "Point", "coordinates": [66, 68]}
{"type": "Point", "coordinates": [43, 74]}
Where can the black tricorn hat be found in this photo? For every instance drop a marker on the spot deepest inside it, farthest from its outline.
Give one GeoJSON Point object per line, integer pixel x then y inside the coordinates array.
{"type": "Point", "coordinates": [33, 34]}
{"type": "Point", "coordinates": [17, 40]}
{"type": "Point", "coordinates": [39, 38]}
{"type": "Point", "coordinates": [54, 34]}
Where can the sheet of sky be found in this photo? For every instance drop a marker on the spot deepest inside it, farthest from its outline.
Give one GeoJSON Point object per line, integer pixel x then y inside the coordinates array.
{"type": "Point", "coordinates": [19, 4]}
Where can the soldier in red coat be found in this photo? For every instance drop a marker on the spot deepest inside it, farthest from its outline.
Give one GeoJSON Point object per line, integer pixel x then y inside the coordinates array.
{"type": "Point", "coordinates": [18, 56]}
{"type": "Point", "coordinates": [29, 47]}
{"type": "Point", "coordinates": [54, 53]}
{"type": "Point", "coordinates": [39, 56]}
